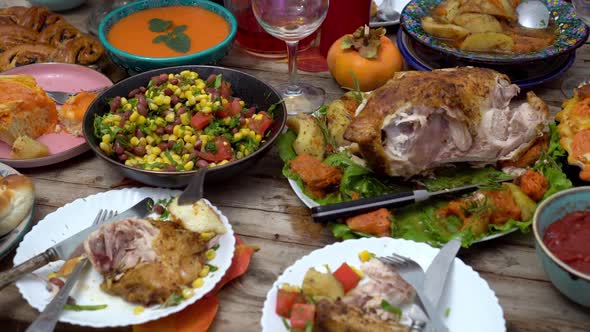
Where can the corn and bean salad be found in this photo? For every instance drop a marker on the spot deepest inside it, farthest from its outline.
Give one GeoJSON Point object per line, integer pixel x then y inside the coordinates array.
{"type": "Point", "coordinates": [180, 122]}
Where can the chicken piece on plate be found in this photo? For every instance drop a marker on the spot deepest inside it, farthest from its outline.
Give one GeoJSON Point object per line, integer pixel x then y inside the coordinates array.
{"type": "Point", "coordinates": [318, 177]}
{"type": "Point", "coordinates": [421, 120]}
{"type": "Point", "coordinates": [338, 316]}
{"type": "Point", "coordinates": [533, 184]}
{"type": "Point", "coordinates": [145, 261]}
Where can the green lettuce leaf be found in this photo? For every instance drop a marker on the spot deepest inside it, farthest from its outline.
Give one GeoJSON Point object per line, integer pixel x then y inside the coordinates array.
{"type": "Point", "coordinates": [463, 175]}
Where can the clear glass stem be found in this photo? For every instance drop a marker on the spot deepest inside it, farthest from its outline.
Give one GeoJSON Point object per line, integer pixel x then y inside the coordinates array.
{"type": "Point", "coordinates": [293, 88]}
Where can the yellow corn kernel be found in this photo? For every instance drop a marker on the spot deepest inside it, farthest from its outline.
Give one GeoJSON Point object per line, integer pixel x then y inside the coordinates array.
{"type": "Point", "coordinates": [185, 157]}
{"type": "Point", "coordinates": [167, 100]}
{"type": "Point", "coordinates": [134, 141]}
{"type": "Point", "coordinates": [55, 275]}
{"type": "Point", "coordinates": [165, 137]}
{"type": "Point", "coordinates": [159, 160]}
{"type": "Point", "coordinates": [206, 236]}
{"type": "Point", "coordinates": [142, 141]}
{"type": "Point", "coordinates": [187, 138]}
{"type": "Point", "coordinates": [124, 101]}
{"type": "Point", "coordinates": [203, 102]}
{"type": "Point", "coordinates": [176, 130]}
{"type": "Point", "coordinates": [150, 140]}
{"type": "Point", "coordinates": [127, 107]}
{"type": "Point", "coordinates": [207, 109]}
{"type": "Point", "coordinates": [150, 158]}
{"type": "Point", "coordinates": [242, 148]}
{"type": "Point", "coordinates": [159, 100]}
{"type": "Point", "coordinates": [252, 134]}
{"type": "Point", "coordinates": [224, 101]}
{"type": "Point", "coordinates": [157, 169]}
{"type": "Point", "coordinates": [134, 116]}
{"type": "Point", "coordinates": [291, 288]}
{"type": "Point", "coordinates": [170, 76]}
{"type": "Point", "coordinates": [160, 121]}
{"type": "Point", "coordinates": [258, 138]}
{"type": "Point", "coordinates": [185, 119]}
{"type": "Point", "coordinates": [106, 138]}
{"type": "Point", "coordinates": [212, 165]}
{"type": "Point", "coordinates": [190, 101]}
{"type": "Point", "coordinates": [141, 120]}
{"type": "Point", "coordinates": [365, 255]}
{"type": "Point", "coordinates": [198, 283]}
{"type": "Point", "coordinates": [170, 86]}
{"type": "Point", "coordinates": [116, 118]}
{"type": "Point", "coordinates": [172, 137]}
{"type": "Point", "coordinates": [193, 139]}
{"type": "Point", "coordinates": [153, 126]}
{"type": "Point", "coordinates": [247, 152]}
{"type": "Point", "coordinates": [188, 93]}
{"type": "Point", "coordinates": [177, 92]}
{"type": "Point", "coordinates": [204, 139]}
{"type": "Point", "coordinates": [241, 103]}
{"type": "Point", "coordinates": [156, 151]}
{"type": "Point", "coordinates": [226, 121]}
{"type": "Point", "coordinates": [170, 117]}
{"type": "Point", "coordinates": [185, 73]}
{"type": "Point", "coordinates": [189, 165]}
{"type": "Point", "coordinates": [358, 272]}
{"type": "Point", "coordinates": [239, 155]}
{"type": "Point", "coordinates": [210, 254]}
{"type": "Point", "coordinates": [106, 147]}
{"type": "Point", "coordinates": [244, 131]}
{"type": "Point", "coordinates": [209, 104]}
{"type": "Point", "coordinates": [257, 117]}
{"type": "Point", "coordinates": [247, 121]}
{"type": "Point", "coordinates": [138, 310]}
{"type": "Point", "coordinates": [153, 106]}
{"type": "Point", "coordinates": [200, 85]}
{"type": "Point", "coordinates": [187, 293]}
{"type": "Point", "coordinates": [204, 271]}
{"type": "Point", "coordinates": [177, 106]}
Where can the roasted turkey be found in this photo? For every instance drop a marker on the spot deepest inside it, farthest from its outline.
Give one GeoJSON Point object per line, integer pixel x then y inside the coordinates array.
{"type": "Point", "coordinates": [421, 120]}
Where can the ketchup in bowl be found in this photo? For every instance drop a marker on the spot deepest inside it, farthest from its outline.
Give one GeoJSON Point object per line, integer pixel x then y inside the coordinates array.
{"type": "Point", "coordinates": [569, 240]}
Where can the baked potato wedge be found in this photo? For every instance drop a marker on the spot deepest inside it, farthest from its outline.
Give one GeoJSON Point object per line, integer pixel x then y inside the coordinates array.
{"type": "Point", "coordinates": [310, 138]}
{"type": "Point", "coordinates": [487, 42]}
{"type": "Point", "coordinates": [338, 119]}
{"type": "Point", "coordinates": [443, 30]}
{"type": "Point", "coordinates": [321, 285]}
{"type": "Point", "coordinates": [447, 10]}
{"type": "Point", "coordinates": [478, 23]}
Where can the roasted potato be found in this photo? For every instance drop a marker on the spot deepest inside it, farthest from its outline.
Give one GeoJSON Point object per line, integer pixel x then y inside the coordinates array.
{"type": "Point", "coordinates": [443, 30]}
{"type": "Point", "coordinates": [310, 138]}
{"type": "Point", "coordinates": [25, 147]}
{"type": "Point", "coordinates": [487, 42]}
{"type": "Point", "coordinates": [338, 119]}
{"type": "Point", "coordinates": [525, 203]}
{"type": "Point", "coordinates": [447, 10]}
{"type": "Point", "coordinates": [477, 23]}
{"type": "Point", "coordinates": [321, 285]}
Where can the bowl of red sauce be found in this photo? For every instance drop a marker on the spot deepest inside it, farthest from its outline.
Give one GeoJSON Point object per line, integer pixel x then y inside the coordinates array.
{"type": "Point", "coordinates": [561, 226]}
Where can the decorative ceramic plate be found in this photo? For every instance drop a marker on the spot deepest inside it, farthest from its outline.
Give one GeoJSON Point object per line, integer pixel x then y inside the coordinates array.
{"type": "Point", "coordinates": [398, 5]}
{"type": "Point", "coordinates": [10, 240]}
{"type": "Point", "coordinates": [56, 77]}
{"type": "Point", "coordinates": [421, 58]}
{"type": "Point", "coordinates": [468, 297]}
{"type": "Point", "coordinates": [572, 33]}
{"type": "Point", "coordinates": [79, 214]}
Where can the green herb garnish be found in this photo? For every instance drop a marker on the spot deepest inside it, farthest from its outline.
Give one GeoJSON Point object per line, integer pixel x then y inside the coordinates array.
{"type": "Point", "coordinates": [174, 38]}
{"type": "Point", "coordinates": [390, 308]}
{"type": "Point", "coordinates": [77, 307]}
{"type": "Point", "coordinates": [173, 300]}
{"type": "Point", "coordinates": [447, 312]}
{"type": "Point", "coordinates": [211, 147]}
{"type": "Point", "coordinates": [212, 268]}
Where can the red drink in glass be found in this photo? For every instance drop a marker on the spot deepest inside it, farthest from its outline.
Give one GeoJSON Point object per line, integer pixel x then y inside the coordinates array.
{"type": "Point", "coordinates": [344, 17]}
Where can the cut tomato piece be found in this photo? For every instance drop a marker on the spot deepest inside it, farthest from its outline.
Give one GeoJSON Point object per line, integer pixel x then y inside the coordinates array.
{"type": "Point", "coordinates": [260, 125]}
{"type": "Point", "coordinates": [223, 151]}
{"type": "Point", "coordinates": [225, 90]}
{"type": "Point", "coordinates": [347, 277]}
{"type": "Point", "coordinates": [201, 120]}
{"type": "Point", "coordinates": [230, 109]}
{"type": "Point", "coordinates": [286, 300]}
{"type": "Point", "coordinates": [302, 314]}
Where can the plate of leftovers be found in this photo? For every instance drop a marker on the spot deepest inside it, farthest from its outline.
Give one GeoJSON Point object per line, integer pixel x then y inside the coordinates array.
{"type": "Point", "coordinates": [142, 268]}
{"type": "Point", "coordinates": [18, 191]}
{"type": "Point", "coordinates": [492, 31]}
{"type": "Point", "coordinates": [343, 287]}
{"type": "Point", "coordinates": [35, 35]}
{"type": "Point", "coordinates": [40, 132]}
{"type": "Point", "coordinates": [346, 152]}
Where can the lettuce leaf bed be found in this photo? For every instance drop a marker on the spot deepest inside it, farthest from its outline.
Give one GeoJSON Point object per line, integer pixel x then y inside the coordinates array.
{"type": "Point", "coordinates": [420, 222]}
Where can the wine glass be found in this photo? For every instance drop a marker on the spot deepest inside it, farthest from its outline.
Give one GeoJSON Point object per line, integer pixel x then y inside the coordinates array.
{"type": "Point", "coordinates": [100, 11]}
{"type": "Point", "coordinates": [569, 84]}
{"type": "Point", "coordinates": [291, 21]}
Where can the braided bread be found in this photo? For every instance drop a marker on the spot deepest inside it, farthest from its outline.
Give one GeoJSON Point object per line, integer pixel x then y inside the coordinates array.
{"type": "Point", "coordinates": [31, 35]}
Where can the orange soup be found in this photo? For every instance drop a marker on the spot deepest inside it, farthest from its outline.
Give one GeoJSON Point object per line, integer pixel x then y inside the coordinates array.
{"type": "Point", "coordinates": [135, 33]}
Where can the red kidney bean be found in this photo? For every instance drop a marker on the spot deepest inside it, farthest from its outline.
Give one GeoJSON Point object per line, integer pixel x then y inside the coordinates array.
{"type": "Point", "coordinates": [202, 163]}
{"type": "Point", "coordinates": [177, 120]}
{"type": "Point", "coordinates": [168, 92]}
{"type": "Point", "coordinates": [169, 168]}
{"type": "Point", "coordinates": [139, 151]}
{"type": "Point", "coordinates": [132, 93]}
{"type": "Point", "coordinates": [126, 115]}
{"type": "Point", "coordinates": [163, 76]}
{"type": "Point", "coordinates": [123, 157]}
{"type": "Point", "coordinates": [166, 112]}
{"type": "Point", "coordinates": [174, 81]}
{"type": "Point", "coordinates": [160, 131]}
{"type": "Point", "coordinates": [169, 129]}
{"type": "Point", "coordinates": [139, 133]}
{"type": "Point", "coordinates": [183, 152]}
{"type": "Point", "coordinates": [181, 110]}
{"type": "Point", "coordinates": [142, 89]}
{"type": "Point", "coordinates": [171, 144]}
{"type": "Point", "coordinates": [211, 78]}
{"type": "Point", "coordinates": [115, 103]}
{"type": "Point", "coordinates": [174, 100]}
{"type": "Point", "coordinates": [159, 209]}
{"type": "Point", "coordinates": [141, 100]}
{"type": "Point", "coordinates": [192, 155]}
{"type": "Point", "coordinates": [118, 147]}
{"type": "Point", "coordinates": [251, 111]}
{"type": "Point", "coordinates": [242, 120]}
{"type": "Point", "coordinates": [163, 146]}
{"type": "Point", "coordinates": [198, 144]}
{"type": "Point", "coordinates": [57, 282]}
{"type": "Point", "coordinates": [235, 130]}
{"type": "Point", "coordinates": [142, 109]}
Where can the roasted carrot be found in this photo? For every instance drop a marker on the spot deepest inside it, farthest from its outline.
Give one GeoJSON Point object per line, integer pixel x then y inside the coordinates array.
{"type": "Point", "coordinates": [376, 223]}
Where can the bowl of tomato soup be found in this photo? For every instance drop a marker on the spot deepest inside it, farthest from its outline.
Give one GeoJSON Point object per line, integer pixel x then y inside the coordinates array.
{"type": "Point", "coordinates": [152, 34]}
{"type": "Point", "coordinates": [561, 226]}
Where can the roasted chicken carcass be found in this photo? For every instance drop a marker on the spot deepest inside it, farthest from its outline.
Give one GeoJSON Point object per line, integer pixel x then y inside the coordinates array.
{"type": "Point", "coordinates": [145, 261]}
{"type": "Point", "coordinates": [421, 120]}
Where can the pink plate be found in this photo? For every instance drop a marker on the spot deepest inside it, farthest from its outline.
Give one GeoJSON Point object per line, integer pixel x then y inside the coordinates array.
{"type": "Point", "coordinates": [56, 77]}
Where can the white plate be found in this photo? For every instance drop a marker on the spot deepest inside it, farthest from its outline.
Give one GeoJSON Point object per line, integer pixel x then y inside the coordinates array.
{"type": "Point", "coordinates": [10, 240]}
{"type": "Point", "coordinates": [473, 305]}
{"type": "Point", "coordinates": [79, 214]}
{"type": "Point", "coordinates": [398, 6]}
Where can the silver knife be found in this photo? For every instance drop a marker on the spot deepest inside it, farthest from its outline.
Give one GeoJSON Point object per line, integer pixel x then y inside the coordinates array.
{"type": "Point", "coordinates": [69, 246]}
{"type": "Point", "coordinates": [435, 279]}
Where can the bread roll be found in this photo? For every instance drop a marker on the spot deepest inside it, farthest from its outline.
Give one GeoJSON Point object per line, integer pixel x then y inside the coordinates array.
{"type": "Point", "coordinates": [16, 201]}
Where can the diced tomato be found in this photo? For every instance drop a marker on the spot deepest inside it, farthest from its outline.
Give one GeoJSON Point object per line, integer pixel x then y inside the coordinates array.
{"type": "Point", "coordinates": [301, 315]}
{"type": "Point", "coordinates": [286, 300]}
{"type": "Point", "coordinates": [230, 109]}
{"type": "Point", "coordinates": [223, 151]}
{"type": "Point", "coordinates": [347, 277]}
{"type": "Point", "coordinates": [225, 90]}
{"type": "Point", "coordinates": [201, 120]}
{"type": "Point", "coordinates": [260, 126]}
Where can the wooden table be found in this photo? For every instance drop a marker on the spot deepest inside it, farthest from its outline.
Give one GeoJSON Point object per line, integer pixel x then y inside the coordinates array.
{"type": "Point", "coordinates": [266, 213]}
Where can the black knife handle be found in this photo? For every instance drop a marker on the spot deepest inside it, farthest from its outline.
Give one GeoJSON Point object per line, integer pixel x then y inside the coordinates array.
{"type": "Point", "coordinates": [328, 212]}
{"type": "Point", "coordinates": [30, 265]}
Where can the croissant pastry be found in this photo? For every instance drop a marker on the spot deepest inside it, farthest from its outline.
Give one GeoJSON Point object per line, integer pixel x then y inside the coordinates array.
{"type": "Point", "coordinates": [81, 50]}
{"type": "Point", "coordinates": [27, 54]}
{"type": "Point", "coordinates": [13, 35]}
{"type": "Point", "coordinates": [32, 18]}
{"type": "Point", "coordinates": [57, 33]}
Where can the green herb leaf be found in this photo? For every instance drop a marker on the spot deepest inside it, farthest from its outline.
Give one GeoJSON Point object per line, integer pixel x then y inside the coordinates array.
{"type": "Point", "coordinates": [215, 247]}
{"type": "Point", "coordinates": [447, 312]}
{"type": "Point", "coordinates": [160, 39]}
{"type": "Point", "coordinates": [179, 29]}
{"type": "Point", "coordinates": [212, 268]}
{"type": "Point", "coordinates": [286, 323]}
{"type": "Point", "coordinates": [173, 300]}
{"type": "Point", "coordinates": [211, 147]}
{"type": "Point", "coordinates": [390, 308]}
{"type": "Point", "coordinates": [217, 82]}
{"type": "Point", "coordinates": [308, 326]}
{"type": "Point", "coordinates": [77, 307]}
{"type": "Point", "coordinates": [179, 42]}
{"type": "Point", "coordinates": [159, 25]}
{"type": "Point", "coordinates": [285, 146]}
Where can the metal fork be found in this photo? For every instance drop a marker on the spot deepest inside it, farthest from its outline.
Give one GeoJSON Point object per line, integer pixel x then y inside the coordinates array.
{"type": "Point", "coordinates": [413, 274]}
{"type": "Point", "coordinates": [61, 97]}
{"type": "Point", "coordinates": [48, 318]}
